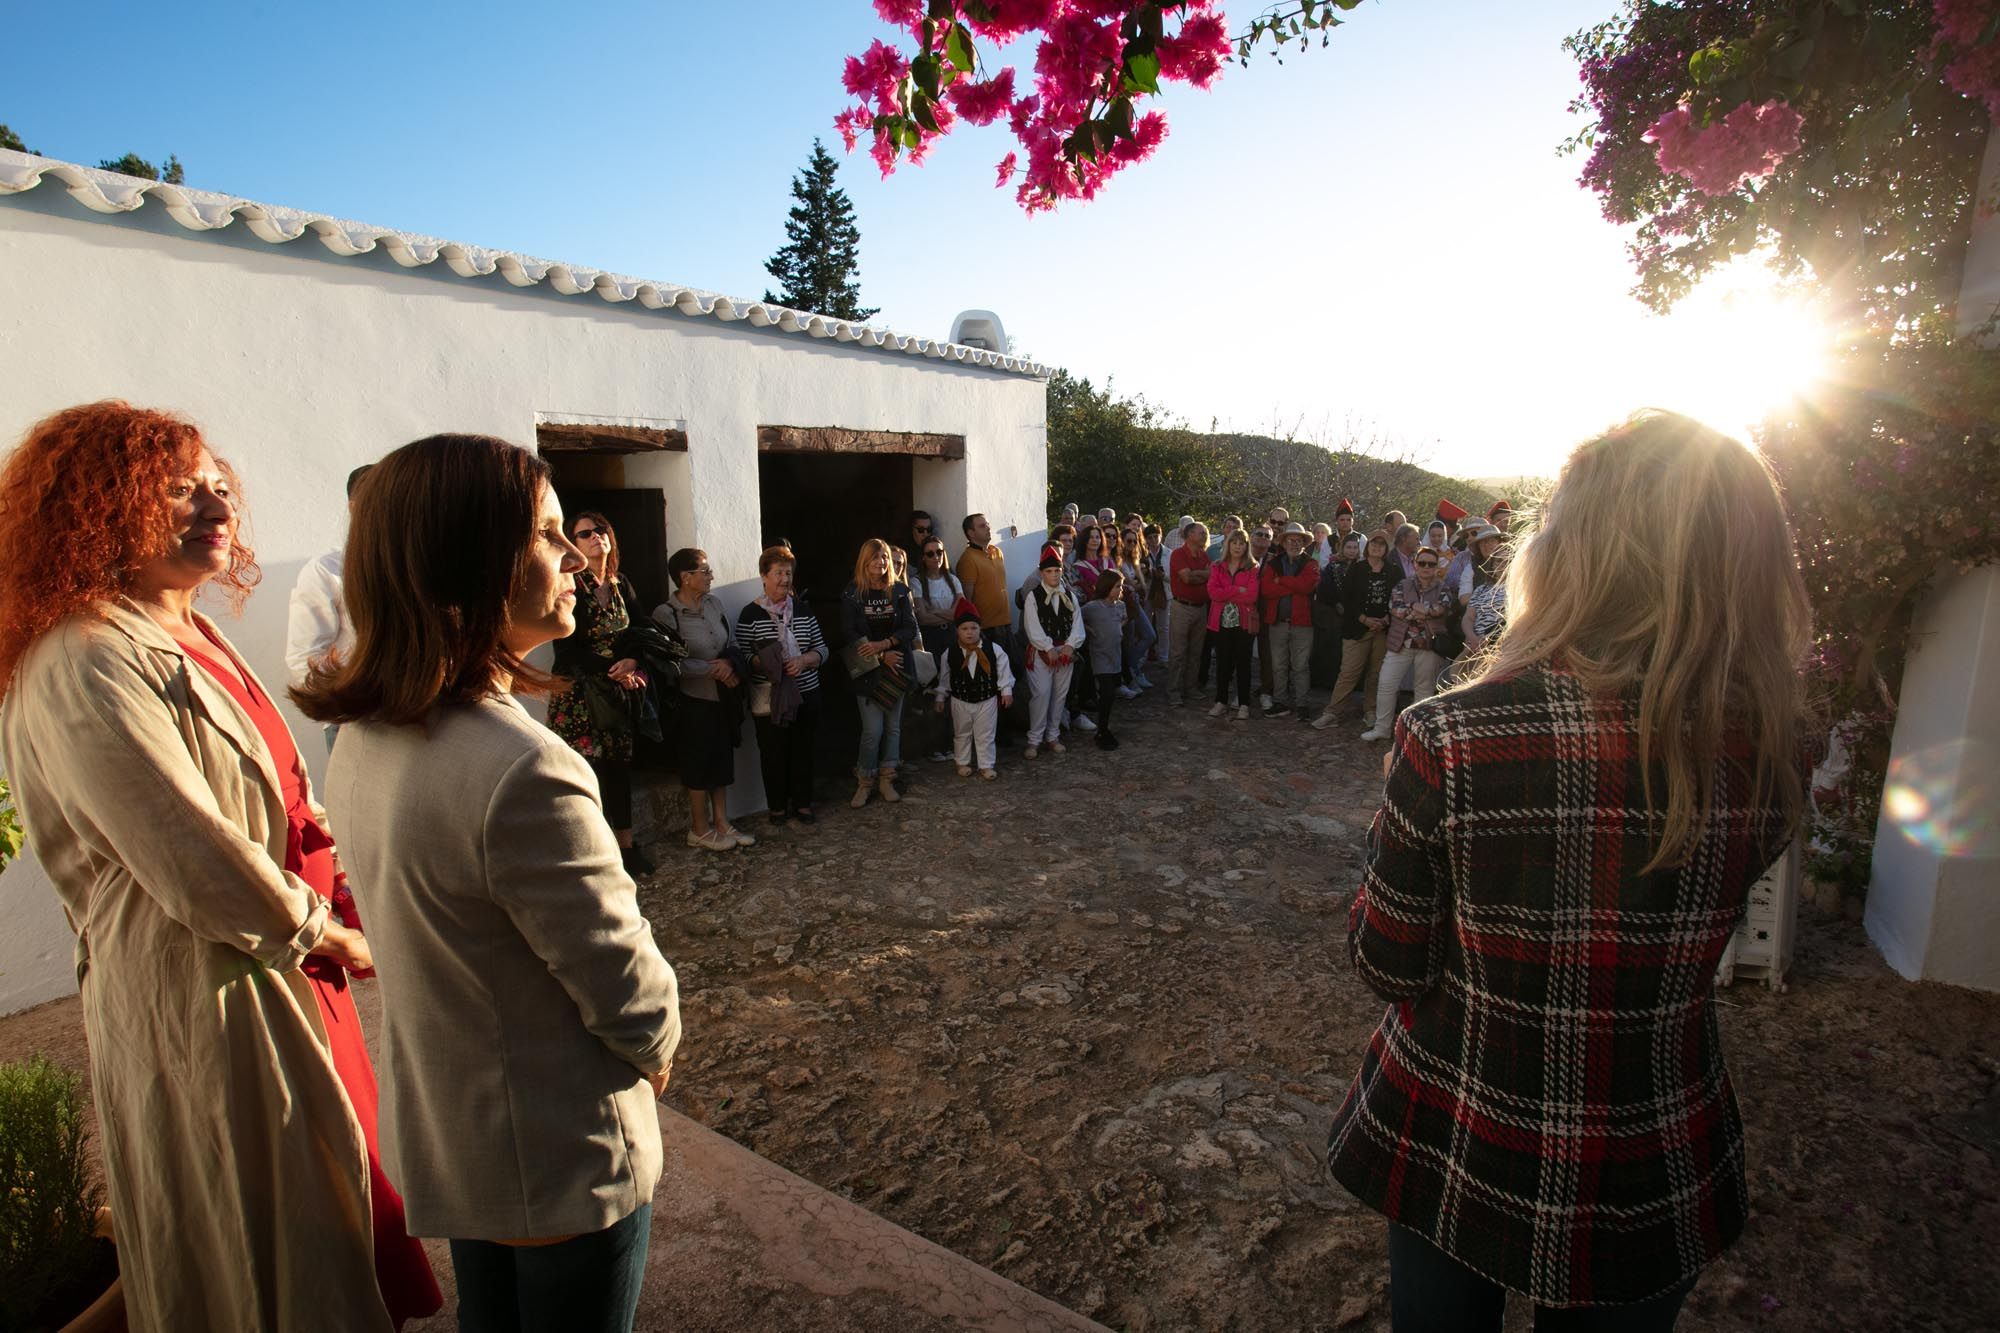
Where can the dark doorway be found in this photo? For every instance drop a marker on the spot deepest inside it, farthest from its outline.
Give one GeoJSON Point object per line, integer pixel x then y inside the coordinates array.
{"type": "Point", "coordinates": [639, 517]}
{"type": "Point", "coordinates": [824, 505]}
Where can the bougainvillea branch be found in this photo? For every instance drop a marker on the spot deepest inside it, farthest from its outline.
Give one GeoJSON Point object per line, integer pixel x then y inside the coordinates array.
{"type": "Point", "coordinates": [1085, 116]}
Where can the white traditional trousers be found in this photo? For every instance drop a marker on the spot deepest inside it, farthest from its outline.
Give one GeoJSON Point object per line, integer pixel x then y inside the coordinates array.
{"type": "Point", "coordinates": [1048, 687]}
{"type": "Point", "coordinates": [972, 727]}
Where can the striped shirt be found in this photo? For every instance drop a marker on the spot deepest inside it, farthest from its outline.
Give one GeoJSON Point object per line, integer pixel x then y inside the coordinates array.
{"type": "Point", "coordinates": [756, 627]}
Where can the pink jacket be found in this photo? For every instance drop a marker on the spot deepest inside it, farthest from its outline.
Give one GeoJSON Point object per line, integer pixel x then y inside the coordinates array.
{"type": "Point", "coordinates": [1240, 588]}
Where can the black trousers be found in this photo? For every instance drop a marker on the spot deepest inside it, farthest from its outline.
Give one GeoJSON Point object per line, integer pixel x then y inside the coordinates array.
{"type": "Point", "coordinates": [1431, 1292]}
{"type": "Point", "coordinates": [786, 755]}
{"type": "Point", "coordinates": [1107, 695]}
{"type": "Point", "coordinates": [1232, 659]}
{"type": "Point", "coordinates": [614, 780]}
{"type": "Point", "coordinates": [589, 1283]}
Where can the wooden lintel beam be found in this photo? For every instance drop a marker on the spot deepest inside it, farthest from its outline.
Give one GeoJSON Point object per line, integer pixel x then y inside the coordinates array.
{"type": "Point", "coordinates": [842, 440]}
{"type": "Point", "coordinates": [607, 439]}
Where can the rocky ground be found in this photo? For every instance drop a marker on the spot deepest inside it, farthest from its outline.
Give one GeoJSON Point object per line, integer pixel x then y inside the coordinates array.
{"type": "Point", "coordinates": [1088, 1025]}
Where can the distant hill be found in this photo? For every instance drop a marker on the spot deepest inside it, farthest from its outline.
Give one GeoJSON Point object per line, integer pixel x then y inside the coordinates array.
{"type": "Point", "coordinates": [1310, 480]}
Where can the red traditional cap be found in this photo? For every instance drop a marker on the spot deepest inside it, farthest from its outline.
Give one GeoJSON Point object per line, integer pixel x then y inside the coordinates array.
{"type": "Point", "coordinates": [1449, 512]}
{"type": "Point", "coordinates": [1499, 505]}
{"type": "Point", "coordinates": [1051, 557]}
{"type": "Point", "coordinates": [963, 610]}
{"type": "Point", "coordinates": [1346, 506]}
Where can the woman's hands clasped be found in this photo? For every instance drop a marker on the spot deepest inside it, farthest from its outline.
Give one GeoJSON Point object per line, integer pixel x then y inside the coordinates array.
{"type": "Point", "coordinates": [348, 947]}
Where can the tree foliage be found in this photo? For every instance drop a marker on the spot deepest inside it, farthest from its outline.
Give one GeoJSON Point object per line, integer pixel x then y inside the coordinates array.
{"type": "Point", "coordinates": [1104, 449]}
{"type": "Point", "coordinates": [1875, 207]}
{"type": "Point", "coordinates": [133, 165]}
{"type": "Point", "coordinates": [816, 269]}
{"type": "Point", "coordinates": [9, 139]}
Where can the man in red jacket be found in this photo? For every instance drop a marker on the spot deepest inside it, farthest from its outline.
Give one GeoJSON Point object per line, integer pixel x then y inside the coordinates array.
{"type": "Point", "coordinates": [1286, 587]}
{"type": "Point", "coordinates": [1187, 624]}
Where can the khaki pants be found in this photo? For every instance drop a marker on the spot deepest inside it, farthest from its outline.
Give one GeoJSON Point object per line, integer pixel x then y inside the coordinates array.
{"type": "Point", "coordinates": [1291, 664]}
{"type": "Point", "coordinates": [1187, 634]}
{"type": "Point", "coordinates": [1360, 664]}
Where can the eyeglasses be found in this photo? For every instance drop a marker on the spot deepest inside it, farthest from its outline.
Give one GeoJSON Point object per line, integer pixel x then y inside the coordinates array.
{"type": "Point", "coordinates": [1427, 564]}
{"type": "Point", "coordinates": [934, 553]}
{"type": "Point", "coordinates": [921, 528]}
{"type": "Point", "coordinates": [585, 534]}
{"type": "Point", "coordinates": [703, 570]}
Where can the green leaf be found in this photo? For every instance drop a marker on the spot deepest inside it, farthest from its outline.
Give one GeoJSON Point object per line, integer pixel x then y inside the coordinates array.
{"type": "Point", "coordinates": [1119, 118]}
{"type": "Point", "coordinates": [958, 47]}
{"type": "Point", "coordinates": [924, 111]}
{"type": "Point", "coordinates": [1142, 74]}
{"type": "Point", "coordinates": [925, 71]}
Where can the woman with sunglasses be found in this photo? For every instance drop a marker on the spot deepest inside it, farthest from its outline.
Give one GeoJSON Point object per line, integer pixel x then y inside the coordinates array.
{"type": "Point", "coordinates": [706, 730]}
{"type": "Point", "coordinates": [936, 591]}
{"type": "Point", "coordinates": [1418, 608]}
{"type": "Point", "coordinates": [606, 606]}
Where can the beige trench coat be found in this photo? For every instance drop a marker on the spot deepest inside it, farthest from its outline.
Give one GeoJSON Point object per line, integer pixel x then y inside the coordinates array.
{"type": "Point", "coordinates": [236, 1171]}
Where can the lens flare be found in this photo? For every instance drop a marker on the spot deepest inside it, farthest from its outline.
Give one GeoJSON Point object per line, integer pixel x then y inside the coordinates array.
{"type": "Point", "coordinates": [1946, 799]}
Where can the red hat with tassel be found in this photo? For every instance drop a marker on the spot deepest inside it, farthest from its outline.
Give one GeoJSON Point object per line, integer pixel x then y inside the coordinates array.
{"type": "Point", "coordinates": [1346, 506]}
{"type": "Point", "coordinates": [1449, 512]}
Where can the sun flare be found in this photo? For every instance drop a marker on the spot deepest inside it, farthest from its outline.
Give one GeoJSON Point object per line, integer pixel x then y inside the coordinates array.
{"type": "Point", "coordinates": [1736, 349]}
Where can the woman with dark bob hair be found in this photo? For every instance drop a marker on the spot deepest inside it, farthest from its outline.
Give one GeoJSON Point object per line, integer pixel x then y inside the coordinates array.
{"type": "Point", "coordinates": [528, 1017]}
{"type": "Point", "coordinates": [164, 796]}
{"type": "Point", "coordinates": [1565, 847]}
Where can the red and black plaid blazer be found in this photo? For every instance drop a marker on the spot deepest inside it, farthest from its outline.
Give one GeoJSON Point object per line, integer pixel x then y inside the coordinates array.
{"type": "Point", "coordinates": [1545, 1098]}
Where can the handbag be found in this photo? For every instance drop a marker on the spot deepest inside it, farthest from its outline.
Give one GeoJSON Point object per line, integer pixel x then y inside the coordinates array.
{"type": "Point", "coordinates": [760, 698]}
{"type": "Point", "coordinates": [857, 665]}
{"type": "Point", "coordinates": [924, 663]}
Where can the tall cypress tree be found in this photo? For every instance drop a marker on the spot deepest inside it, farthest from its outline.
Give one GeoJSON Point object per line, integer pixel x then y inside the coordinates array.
{"type": "Point", "coordinates": [816, 270]}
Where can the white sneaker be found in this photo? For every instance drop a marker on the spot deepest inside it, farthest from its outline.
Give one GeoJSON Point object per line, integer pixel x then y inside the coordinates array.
{"type": "Point", "coordinates": [1243, 712]}
{"type": "Point", "coordinates": [1264, 699]}
{"type": "Point", "coordinates": [1084, 724]}
{"type": "Point", "coordinates": [940, 756]}
{"type": "Point", "coordinates": [1373, 735]}
{"type": "Point", "coordinates": [1127, 692]}
{"type": "Point", "coordinates": [1218, 710]}
{"type": "Point", "coordinates": [1139, 679]}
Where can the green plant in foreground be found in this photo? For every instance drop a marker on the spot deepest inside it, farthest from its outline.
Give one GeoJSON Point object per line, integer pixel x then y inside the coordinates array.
{"type": "Point", "coordinates": [48, 1204]}
{"type": "Point", "coordinates": [11, 832]}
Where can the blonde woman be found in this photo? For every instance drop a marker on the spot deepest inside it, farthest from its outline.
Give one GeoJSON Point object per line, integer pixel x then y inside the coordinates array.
{"type": "Point", "coordinates": [879, 618]}
{"type": "Point", "coordinates": [1565, 847]}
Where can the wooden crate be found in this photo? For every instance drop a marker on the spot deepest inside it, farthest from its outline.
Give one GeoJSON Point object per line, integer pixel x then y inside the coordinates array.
{"type": "Point", "coordinates": [1761, 949]}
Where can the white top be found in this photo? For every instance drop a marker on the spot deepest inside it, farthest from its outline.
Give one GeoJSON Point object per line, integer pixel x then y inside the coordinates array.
{"type": "Point", "coordinates": [316, 626]}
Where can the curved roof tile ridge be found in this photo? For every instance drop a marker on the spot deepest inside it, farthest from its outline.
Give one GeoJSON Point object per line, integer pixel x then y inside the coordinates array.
{"type": "Point", "coordinates": [204, 210]}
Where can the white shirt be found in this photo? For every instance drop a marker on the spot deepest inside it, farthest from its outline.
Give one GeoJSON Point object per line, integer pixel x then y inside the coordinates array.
{"type": "Point", "coordinates": [316, 624]}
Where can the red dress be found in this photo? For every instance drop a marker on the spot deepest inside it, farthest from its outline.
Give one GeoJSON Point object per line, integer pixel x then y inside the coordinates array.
{"type": "Point", "coordinates": [401, 1269]}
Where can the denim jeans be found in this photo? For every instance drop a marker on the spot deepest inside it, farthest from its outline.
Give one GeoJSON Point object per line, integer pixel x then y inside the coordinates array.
{"type": "Point", "coordinates": [1431, 1292]}
{"type": "Point", "coordinates": [881, 738]}
{"type": "Point", "coordinates": [589, 1284]}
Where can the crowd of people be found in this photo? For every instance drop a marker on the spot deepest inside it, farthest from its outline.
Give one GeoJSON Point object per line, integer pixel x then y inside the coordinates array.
{"type": "Point", "coordinates": [1567, 839]}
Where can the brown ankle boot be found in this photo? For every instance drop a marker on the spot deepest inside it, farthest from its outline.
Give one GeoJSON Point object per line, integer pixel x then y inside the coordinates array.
{"type": "Point", "coordinates": [886, 782]}
{"type": "Point", "coordinates": [861, 789]}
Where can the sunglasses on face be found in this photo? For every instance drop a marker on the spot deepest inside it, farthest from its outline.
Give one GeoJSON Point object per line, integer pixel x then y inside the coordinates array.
{"type": "Point", "coordinates": [585, 534]}
{"type": "Point", "coordinates": [922, 528]}
{"type": "Point", "coordinates": [934, 553]}
{"type": "Point", "coordinates": [1427, 564]}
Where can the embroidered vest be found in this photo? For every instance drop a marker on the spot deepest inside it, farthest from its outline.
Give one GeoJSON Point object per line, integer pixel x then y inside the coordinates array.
{"type": "Point", "coordinates": [1056, 611]}
{"type": "Point", "coordinates": [967, 685]}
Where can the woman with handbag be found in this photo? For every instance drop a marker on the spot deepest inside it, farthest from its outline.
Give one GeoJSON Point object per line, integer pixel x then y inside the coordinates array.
{"type": "Point", "coordinates": [936, 592]}
{"type": "Point", "coordinates": [593, 712]}
{"type": "Point", "coordinates": [1234, 590]}
{"type": "Point", "coordinates": [1418, 609]}
{"type": "Point", "coordinates": [707, 741]}
{"type": "Point", "coordinates": [780, 637]}
{"type": "Point", "coordinates": [880, 622]}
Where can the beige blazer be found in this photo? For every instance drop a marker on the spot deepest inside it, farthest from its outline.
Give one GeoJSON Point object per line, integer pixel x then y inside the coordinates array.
{"type": "Point", "coordinates": [523, 996]}
{"type": "Point", "coordinates": [235, 1170]}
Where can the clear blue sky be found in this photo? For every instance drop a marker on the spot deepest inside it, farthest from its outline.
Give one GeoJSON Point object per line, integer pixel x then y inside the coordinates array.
{"type": "Point", "coordinates": [1378, 232]}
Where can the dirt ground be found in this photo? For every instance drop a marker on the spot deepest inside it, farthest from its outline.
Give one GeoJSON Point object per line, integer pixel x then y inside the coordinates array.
{"type": "Point", "coordinates": [1088, 1025]}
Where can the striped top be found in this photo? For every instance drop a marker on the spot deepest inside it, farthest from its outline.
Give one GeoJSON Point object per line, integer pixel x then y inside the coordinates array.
{"type": "Point", "coordinates": [756, 627]}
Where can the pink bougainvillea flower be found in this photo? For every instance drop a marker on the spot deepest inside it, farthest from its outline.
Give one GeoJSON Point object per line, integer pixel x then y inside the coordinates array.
{"type": "Point", "coordinates": [902, 13]}
{"type": "Point", "coordinates": [1745, 145]}
{"type": "Point", "coordinates": [1011, 18]}
{"type": "Point", "coordinates": [1006, 170]}
{"type": "Point", "coordinates": [851, 123]}
{"type": "Point", "coordinates": [1974, 69]}
{"type": "Point", "coordinates": [983, 103]}
{"type": "Point", "coordinates": [874, 71]}
{"type": "Point", "coordinates": [1195, 53]}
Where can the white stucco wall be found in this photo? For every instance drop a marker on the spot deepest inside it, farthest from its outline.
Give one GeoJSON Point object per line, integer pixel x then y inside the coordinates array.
{"type": "Point", "coordinates": [298, 366]}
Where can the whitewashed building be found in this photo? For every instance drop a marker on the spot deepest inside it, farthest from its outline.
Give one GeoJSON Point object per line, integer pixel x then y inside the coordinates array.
{"type": "Point", "coordinates": [305, 345]}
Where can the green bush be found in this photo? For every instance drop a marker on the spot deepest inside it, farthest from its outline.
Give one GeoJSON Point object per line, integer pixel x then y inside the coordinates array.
{"type": "Point", "coordinates": [11, 834]}
{"type": "Point", "coordinates": [48, 1205]}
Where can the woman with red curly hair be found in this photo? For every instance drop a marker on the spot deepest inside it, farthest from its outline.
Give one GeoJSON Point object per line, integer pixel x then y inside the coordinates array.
{"type": "Point", "coordinates": [165, 798]}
